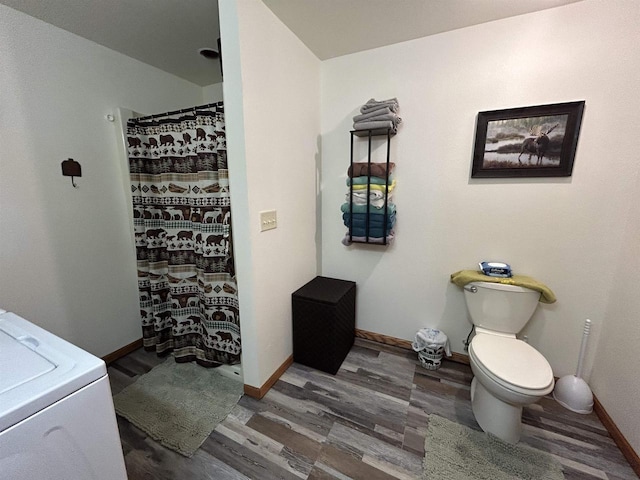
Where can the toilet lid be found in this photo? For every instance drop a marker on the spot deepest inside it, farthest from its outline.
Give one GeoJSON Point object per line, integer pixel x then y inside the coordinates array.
{"type": "Point", "coordinates": [512, 361]}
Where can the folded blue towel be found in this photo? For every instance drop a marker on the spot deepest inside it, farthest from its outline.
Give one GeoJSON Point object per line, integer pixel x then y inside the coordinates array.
{"type": "Point", "coordinates": [362, 224]}
{"type": "Point", "coordinates": [373, 217]}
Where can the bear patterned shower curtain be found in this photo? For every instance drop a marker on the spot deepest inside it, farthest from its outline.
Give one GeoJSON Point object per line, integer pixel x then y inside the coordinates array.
{"type": "Point", "coordinates": [182, 223]}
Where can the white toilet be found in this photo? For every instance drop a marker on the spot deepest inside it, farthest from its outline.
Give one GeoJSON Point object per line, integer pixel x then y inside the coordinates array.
{"type": "Point", "coordinates": [508, 373]}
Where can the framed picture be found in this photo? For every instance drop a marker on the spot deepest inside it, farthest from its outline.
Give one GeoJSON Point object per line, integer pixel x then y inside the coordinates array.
{"type": "Point", "coordinates": [535, 141]}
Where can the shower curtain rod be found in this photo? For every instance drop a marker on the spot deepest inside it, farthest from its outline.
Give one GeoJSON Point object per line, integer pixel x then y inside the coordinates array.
{"type": "Point", "coordinates": [175, 112]}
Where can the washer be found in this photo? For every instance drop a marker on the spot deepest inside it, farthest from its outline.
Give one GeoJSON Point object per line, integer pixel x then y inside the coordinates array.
{"type": "Point", "coordinates": [57, 420]}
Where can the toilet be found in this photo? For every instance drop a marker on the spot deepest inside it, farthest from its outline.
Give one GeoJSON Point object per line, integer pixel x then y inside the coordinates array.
{"type": "Point", "coordinates": [508, 373]}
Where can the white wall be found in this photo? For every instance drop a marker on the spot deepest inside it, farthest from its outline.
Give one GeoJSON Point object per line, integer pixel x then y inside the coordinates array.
{"type": "Point", "coordinates": [212, 93]}
{"type": "Point", "coordinates": [272, 105]}
{"type": "Point", "coordinates": [615, 371]}
{"type": "Point", "coordinates": [67, 260]}
{"type": "Point", "coordinates": [566, 232]}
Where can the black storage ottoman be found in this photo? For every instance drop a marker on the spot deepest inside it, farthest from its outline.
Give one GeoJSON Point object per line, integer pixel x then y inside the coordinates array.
{"type": "Point", "coordinates": [324, 313]}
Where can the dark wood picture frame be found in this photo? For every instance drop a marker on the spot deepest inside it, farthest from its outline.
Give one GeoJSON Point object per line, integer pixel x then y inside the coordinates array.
{"type": "Point", "coordinates": [538, 141]}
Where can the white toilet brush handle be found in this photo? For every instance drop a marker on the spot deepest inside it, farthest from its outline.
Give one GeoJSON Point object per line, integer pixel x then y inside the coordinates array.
{"type": "Point", "coordinates": [583, 347]}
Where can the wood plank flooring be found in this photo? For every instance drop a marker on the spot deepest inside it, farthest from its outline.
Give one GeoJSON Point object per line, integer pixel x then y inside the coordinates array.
{"type": "Point", "coordinates": [366, 422]}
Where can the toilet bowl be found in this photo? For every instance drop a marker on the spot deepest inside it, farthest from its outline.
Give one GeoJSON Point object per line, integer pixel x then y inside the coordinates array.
{"type": "Point", "coordinates": [508, 373]}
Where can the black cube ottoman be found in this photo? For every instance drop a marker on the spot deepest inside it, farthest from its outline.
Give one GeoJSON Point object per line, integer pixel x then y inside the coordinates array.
{"type": "Point", "coordinates": [324, 313]}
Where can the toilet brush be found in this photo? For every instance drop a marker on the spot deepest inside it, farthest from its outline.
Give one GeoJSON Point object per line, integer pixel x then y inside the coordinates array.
{"type": "Point", "coordinates": [572, 391]}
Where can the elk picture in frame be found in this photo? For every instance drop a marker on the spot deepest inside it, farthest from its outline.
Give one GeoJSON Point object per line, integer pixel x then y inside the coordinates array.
{"type": "Point", "coordinates": [538, 141]}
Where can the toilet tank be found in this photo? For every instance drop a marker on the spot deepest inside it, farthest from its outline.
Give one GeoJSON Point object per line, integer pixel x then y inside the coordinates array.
{"type": "Point", "coordinates": [499, 307]}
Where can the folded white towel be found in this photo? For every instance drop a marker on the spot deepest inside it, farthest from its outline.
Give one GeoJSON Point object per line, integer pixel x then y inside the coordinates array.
{"type": "Point", "coordinates": [373, 194]}
{"type": "Point", "coordinates": [383, 124]}
{"type": "Point", "coordinates": [372, 105]}
{"type": "Point", "coordinates": [378, 109]}
{"type": "Point", "coordinates": [373, 101]}
{"type": "Point", "coordinates": [381, 118]}
{"type": "Point", "coordinates": [378, 118]}
{"type": "Point", "coordinates": [376, 198]}
{"type": "Point", "coordinates": [381, 111]}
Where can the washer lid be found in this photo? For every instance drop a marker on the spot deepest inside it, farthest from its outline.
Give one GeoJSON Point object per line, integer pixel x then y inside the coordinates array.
{"type": "Point", "coordinates": [513, 361]}
{"type": "Point", "coordinates": [26, 364]}
{"type": "Point", "coordinates": [37, 369]}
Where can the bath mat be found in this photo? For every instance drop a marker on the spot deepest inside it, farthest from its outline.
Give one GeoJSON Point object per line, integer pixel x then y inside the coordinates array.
{"type": "Point", "coordinates": [455, 452]}
{"type": "Point", "coordinates": [178, 404]}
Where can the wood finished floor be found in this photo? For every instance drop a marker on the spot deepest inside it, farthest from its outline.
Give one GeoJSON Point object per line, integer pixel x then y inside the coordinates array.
{"type": "Point", "coordinates": [367, 422]}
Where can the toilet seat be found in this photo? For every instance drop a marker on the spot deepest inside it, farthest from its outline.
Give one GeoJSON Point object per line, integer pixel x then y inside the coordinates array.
{"type": "Point", "coordinates": [512, 363]}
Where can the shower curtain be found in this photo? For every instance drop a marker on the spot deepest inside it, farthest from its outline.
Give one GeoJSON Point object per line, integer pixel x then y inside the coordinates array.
{"type": "Point", "coordinates": [182, 223]}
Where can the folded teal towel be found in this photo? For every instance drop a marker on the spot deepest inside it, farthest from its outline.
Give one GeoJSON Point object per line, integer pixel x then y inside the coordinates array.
{"type": "Point", "coordinates": [373, 180]}
{"type": "Point", "coordinates": [391, 208]}
{"type": "Point", "coordinates": [376, 224]}
{"type": "Point", "coordinates": [377, 220]}
{"type": "Point", "coordinates": [377, 228]}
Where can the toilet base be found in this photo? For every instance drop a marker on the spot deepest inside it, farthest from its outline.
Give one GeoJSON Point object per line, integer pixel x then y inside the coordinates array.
{"type": "Point", "coordinates": [495, 416]}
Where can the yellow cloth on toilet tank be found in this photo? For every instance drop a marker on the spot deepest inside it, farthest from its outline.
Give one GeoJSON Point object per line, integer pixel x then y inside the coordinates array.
{"type": "Point", "coordinates": [463, 277]}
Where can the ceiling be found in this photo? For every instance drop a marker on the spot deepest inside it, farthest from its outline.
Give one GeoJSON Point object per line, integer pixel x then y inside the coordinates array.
{"type": "Point", "coordinates": [162, 33]}
{"type": "Point", "coordinates": [331, 28]}
{"type": "Point", "coordinates": [165, 34]}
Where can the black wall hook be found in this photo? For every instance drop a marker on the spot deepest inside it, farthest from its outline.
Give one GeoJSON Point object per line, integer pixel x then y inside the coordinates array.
{"type": "Point", "coordinates": [71, 168]}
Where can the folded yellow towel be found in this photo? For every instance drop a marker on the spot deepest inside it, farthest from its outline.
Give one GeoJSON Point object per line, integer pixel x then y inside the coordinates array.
{"type": "Point", "coordinates": [374, 186]}
{"type": "Point", "coordinates": [463, 277]}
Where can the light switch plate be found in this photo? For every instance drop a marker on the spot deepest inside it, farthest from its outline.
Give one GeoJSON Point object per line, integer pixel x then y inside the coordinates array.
{"type": "Point", "coordinates": [268, 220]}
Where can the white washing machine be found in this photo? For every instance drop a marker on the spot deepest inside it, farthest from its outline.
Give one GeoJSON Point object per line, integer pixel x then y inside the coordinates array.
{"type": "Point", "coordinates": [57, 420]}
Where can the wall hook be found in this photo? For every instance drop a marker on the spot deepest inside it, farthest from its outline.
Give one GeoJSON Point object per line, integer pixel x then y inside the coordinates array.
{"type": "Point", "coordinates": [71, 168]}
